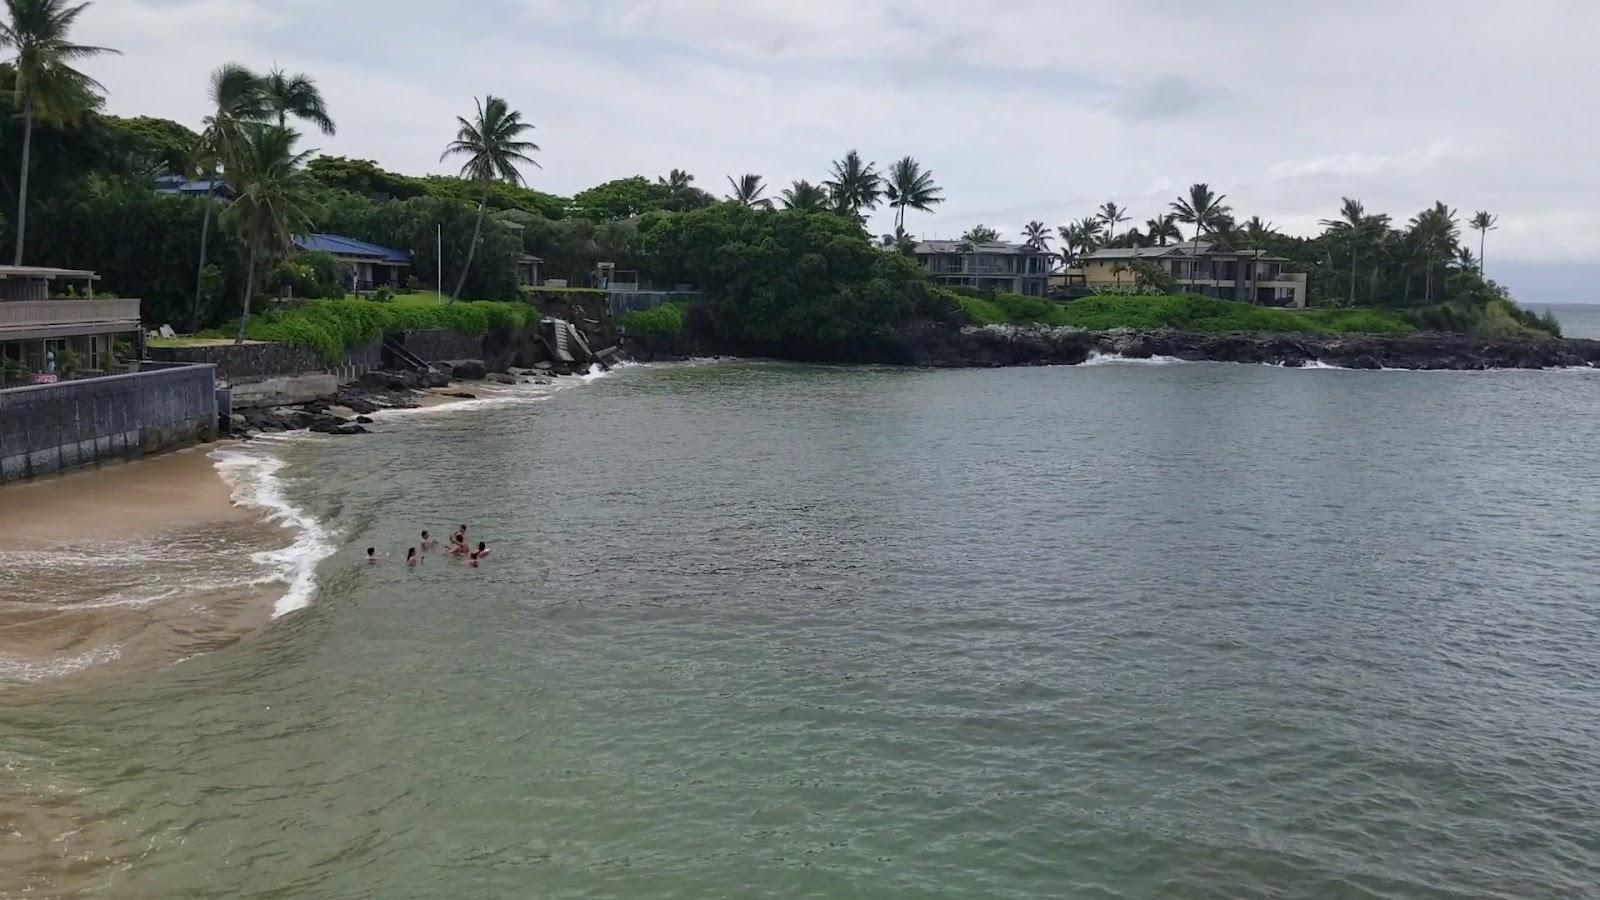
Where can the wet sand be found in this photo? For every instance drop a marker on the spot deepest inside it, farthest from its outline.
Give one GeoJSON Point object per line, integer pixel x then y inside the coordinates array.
{"type": "Point", "coordinates": [132, 565]}
{"type": "Point", "coordinates": [121, 501]}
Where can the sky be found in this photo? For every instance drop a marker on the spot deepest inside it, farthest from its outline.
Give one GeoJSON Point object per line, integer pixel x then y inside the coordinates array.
{"type": "Point", "coordinates": [1027, 109]}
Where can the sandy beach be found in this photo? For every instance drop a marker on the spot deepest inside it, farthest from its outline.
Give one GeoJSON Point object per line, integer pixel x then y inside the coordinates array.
{"type": "Point", "coordinates": [136, 564]}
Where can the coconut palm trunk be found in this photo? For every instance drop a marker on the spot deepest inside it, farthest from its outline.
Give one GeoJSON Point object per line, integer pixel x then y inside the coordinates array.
{"type": "Point", "coordinates": [22, 184]}
{"type": "Point", "coordinates": [1482, 236]}
{"type": "Point", "coordinates": [249, 292]}
{"type": "Point", "coordinates": [477, 230]}
{"type": "Point", "coordinates": [200, 270]}
{"type": "Point", "coordinates": [1353, 259]}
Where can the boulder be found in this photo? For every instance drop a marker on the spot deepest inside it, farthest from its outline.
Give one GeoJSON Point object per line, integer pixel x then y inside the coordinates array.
{"type": "Point", "coordinates": [388, 381]}
{"type": "Point", "coordinates": [363, 420]}
{"type": "Point", "coordinates": [468, 370]}
{"type": "Point", "coordinates": [501, 378]}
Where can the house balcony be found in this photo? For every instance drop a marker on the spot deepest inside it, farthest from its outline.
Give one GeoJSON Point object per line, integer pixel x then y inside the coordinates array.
{"type": "Point", "coordinates": [45, 319]}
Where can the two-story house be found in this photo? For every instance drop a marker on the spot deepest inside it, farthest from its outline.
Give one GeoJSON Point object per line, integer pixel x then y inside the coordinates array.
{"type": "Point", "coordinates": [39, 322]}
{"type": "Point", "coordinates": [991, 266]}
{"type": "Point", "coordinates": [1212, 268]}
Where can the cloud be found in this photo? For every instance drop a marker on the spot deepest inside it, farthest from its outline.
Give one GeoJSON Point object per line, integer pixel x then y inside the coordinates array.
{"type": "Point", "coordinates": [1031, 110]}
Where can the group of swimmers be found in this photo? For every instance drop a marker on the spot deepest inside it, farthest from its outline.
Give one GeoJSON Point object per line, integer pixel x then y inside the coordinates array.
{"type": "Point", "coordinates": [457, 546]}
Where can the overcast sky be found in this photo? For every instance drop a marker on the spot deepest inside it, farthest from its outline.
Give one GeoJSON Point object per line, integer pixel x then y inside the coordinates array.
{"type": "Point", "coordinates": [1023, 109]}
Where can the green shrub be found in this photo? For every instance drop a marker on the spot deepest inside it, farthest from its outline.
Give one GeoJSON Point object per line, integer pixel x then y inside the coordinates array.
{"type": "Point", "coordinates": [979, 311]}
{"type": "Point", "coordinates": [333, 328]}
{"type": "Point", "coordinates": [69, 362]}
{"type": "Point", "coordinates": [666, 320]}
{"type": "Point", "coordinates": [1187, 312]}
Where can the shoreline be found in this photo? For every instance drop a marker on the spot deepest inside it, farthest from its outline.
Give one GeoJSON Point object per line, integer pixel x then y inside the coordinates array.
{"type": "Point", "coordinates": [117, 568]}
{"type": "Point", "coordinates": [138, 565]}
{"type": "Point", "coordinates": [946, 345]}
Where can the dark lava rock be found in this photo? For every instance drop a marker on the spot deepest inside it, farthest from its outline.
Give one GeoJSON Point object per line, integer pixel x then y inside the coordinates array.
{"type": "Point", "coordinates": [939, 344]}
{"type": "Point", "coordinates": [468, 369]}
{"type": "Point", "coordinates": [363, 420]}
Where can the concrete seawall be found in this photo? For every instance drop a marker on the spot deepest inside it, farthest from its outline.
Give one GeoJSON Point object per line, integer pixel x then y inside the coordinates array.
{"type": "Point", "coordinates": [52, 427]}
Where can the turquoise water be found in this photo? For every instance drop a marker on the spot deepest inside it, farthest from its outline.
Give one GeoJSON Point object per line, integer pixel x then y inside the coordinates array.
{"type": "Point", "coordinates": [763, 630]}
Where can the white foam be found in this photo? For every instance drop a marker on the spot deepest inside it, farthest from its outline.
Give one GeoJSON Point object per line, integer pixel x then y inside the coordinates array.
{"type": "Point", "coordinates": [13, 669]}
{"type": "Point", "coordinates": [1096, 358]}
{"type": "Point", "coordinates": [494, 394]}
{"type": "Point", "coordinates": [255, 482]}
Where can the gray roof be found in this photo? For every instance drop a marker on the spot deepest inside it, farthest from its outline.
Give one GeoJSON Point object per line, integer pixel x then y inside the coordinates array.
{"type": "Point", "coordinates": [1001, 248]}
{"type": "Point", "coordinates": [1181, 251]}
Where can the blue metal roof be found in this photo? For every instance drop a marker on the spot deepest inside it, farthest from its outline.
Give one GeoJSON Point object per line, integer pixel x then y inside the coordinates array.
{"type": "Point", "coordinates": [339, 245]}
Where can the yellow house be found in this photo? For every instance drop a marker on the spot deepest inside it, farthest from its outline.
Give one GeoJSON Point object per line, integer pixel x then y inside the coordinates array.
{"type": "Point", "coordinates": [1211, 268]}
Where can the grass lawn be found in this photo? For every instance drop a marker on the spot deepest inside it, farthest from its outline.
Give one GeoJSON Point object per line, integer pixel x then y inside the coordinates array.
{"type": "Point", "coordinates": [185, 341]}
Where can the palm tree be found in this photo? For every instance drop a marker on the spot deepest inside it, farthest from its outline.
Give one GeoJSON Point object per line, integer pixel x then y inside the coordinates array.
{"type": "Point", "coordinates": [1435, 233]}
{"type": "Point", "coordinates": [1036, 235]}
{"type": "Point", "coordinates": [1202, 209]}
{"type": "Point", "coordinates": [1256, 231]}
{"type": "Point", "coordinates": [296, 95]}
{"type": "Point", "coordinates": [1112, 215]}
{"type": "Point", "coordinates": [493, 146]}
{"type": "Point", "coordinates": [805, 196]}
{"type": "Point", "coordinates": [855, 185]}
{"type": "Point", "coordinates": [46, 85]}
{"type": "Point", "coordinates": [980, 234]}
{"type": "Point", "coordinates": [236, 98]}
{"type": "Point", "coordinates": [899, 242]}
{"type": "Point", "coordinates": [910, 187]}
{"type": "Point", "coordinates": [677, 181]}
{"type": "Point", "coordinates": [1161, 229]}
{"type": "Point", "coordinates": [1118, 268]}
{"type": "Point", "coordinates": [1089, 239]}
{"type": "Point", "coordinates": [1069, 245]}
{"type": "Point", "coordinates": [274, 198]}
{"type": "Point", "coordinates": [682, 195]}
{"type": "Point", "coordinates": [1355, 230]}
{"type": "Point", "coordinates": [747, 191]}
{"type": "Point", "coordinates": [1483, 223]}
{"type": "Point", "coordinates": [1224, 229]}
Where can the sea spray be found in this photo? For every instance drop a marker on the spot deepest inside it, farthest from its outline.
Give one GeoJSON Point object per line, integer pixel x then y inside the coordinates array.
{"type": "Point", "coordinates": [1096, 358]}
{"type": "Point", "coordinates": [256, 484]}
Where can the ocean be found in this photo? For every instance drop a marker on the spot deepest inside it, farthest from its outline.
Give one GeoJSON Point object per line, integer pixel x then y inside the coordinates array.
{"type": "Point", "coordinates": [766, 630]}
{"type": "Point", "coordinates": [1578, 320]}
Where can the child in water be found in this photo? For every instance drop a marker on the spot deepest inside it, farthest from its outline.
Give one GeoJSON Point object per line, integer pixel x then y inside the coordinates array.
{"type": "Point", "coordinates": [411, 558]}
{"type": "Point", "coordinates": [426, 543]}
{"type": "Point", "coordinates": [372, 555]}
{"type": "Point", "coordinates": [481, 553]}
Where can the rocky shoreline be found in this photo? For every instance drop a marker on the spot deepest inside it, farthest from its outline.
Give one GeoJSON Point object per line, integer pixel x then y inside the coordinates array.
{"type": "Point", "coordinates": [350, 409]}
{"type": "Point", "coordinates": [937, 345]}
{"type": "Point", "coordinates": [943, 346]}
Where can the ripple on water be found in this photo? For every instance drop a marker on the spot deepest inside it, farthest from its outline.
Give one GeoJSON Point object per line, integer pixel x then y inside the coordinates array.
{"type": "Point", "coordinates": [761, 630]}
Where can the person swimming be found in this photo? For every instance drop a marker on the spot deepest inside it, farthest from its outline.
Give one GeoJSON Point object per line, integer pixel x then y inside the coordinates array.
{"type": "Point", "coordinates": [481, 553]}
{"type": "Point", "coordinates": [426, 543]}
{"type": "Point", "coordinates": [372, 555]}
{"type": "Point", "coordinates": [411, 557]}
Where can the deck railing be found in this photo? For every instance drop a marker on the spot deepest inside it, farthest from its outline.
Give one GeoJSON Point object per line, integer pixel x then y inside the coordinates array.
{"type": "Point", "coordinates": [19, 314]}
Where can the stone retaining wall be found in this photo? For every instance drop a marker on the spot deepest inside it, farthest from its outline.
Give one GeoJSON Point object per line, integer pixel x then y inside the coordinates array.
{"type": "Point", "coordinates": [440, 345]}
{"type": "Point", "coordinates": [260, 360]}
{"type": "Point", "coordinates": [50, 427]}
